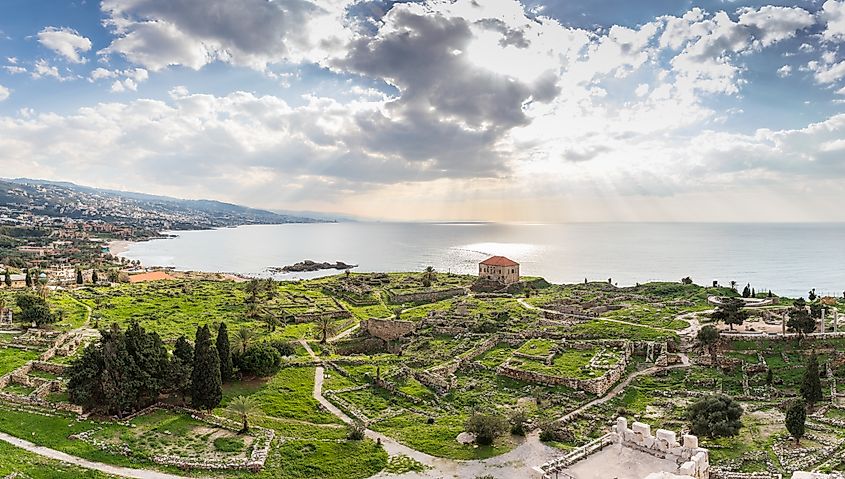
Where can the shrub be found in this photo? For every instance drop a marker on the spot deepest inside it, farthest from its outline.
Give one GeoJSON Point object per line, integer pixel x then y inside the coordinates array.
{"type": "Point", "coordinates": [260, 360]}
{"type": "Point", "coordinates": [355, 432]}
{"type": "Point", "coordinates": [715, 416]}
{"type": "Point", "coordinates": [554, 432]}
{"type": "Point", "coordinates": [518, 422]}
{"type": "Point", "coordinates": [284, 348]}
{"type": "Point", "coordinates": [486, 427]}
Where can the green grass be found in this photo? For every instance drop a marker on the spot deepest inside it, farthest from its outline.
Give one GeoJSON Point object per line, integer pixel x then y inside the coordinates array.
{"type": "Point", "coordinates": [537, 347]}
{"type": "Point", "coordinates": [570, 363]}
{"type": "Point", "coordinates": [287, 395]}
{"type": "Point", "coordinates": [12, 358]}
{"type": "Point", "coordinates": [17, 460]}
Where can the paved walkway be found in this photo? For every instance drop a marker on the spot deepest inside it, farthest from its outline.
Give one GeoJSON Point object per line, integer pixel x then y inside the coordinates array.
{"type": "Point", "coordinates": [76, 461]}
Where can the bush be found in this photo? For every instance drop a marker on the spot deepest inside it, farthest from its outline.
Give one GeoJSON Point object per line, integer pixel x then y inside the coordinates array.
{"type": "Point", "coordinates": [518, 420]}
{"type": "Point", "coordinates": [715, 416]}
{"type": "Point", "coordinates": [284, 348]}
{"type": "Point", "coordinates": [486, 427]}
{"type": "Point", "coordinates": [260, 360]}
{"type": "Point", "coordinates": [554, 432]}
{"type": "Point", "coordinates": [355, 432]}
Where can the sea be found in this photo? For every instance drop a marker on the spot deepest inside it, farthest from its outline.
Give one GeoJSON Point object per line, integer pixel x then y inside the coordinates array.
{"type": "Point", "coordinates": [788, 259]}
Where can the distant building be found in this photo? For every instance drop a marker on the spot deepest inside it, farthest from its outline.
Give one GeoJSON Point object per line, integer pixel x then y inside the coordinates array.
{"type": "Point", "coordinates": [151, 276]}
{"type": "Point", "coordinates": [18, 281]}
{"type": "Point", "coordinates": [499, 268]}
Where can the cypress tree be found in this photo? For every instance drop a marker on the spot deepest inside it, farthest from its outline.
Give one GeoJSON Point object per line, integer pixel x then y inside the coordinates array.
{"type": "Point", "coordinates": [94, 277]}
{"type": "Point", "coordinates": [206, 386]}
{"type": "Point", "coordinates": [796, 417]}
{"type": "Point", "coordinates": [811, 386]}
{"type": "Point", "coordinates": [181, 366]}
{"type": "Point", "coordinates": [7, 278]}
{"type": "Point", "coordinates": [224, 352]}
{"type": "Point", "coordinates": [28, 280]}
{"type": "Point", "coordinates": [79, 278]}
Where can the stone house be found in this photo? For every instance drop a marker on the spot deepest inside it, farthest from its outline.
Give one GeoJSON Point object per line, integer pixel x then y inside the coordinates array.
{"type": "Point", "coordinates": [499, 268]}
{"type": "Point", "coordinates": [18, 280]}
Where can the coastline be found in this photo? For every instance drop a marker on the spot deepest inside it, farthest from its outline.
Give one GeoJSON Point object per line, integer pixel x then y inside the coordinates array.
{"type": "Point", "coordinates": [118, 247]}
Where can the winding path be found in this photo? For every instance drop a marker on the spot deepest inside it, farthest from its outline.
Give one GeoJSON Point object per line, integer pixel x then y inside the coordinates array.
{"type": "Point", "coordinates": [84, 463]}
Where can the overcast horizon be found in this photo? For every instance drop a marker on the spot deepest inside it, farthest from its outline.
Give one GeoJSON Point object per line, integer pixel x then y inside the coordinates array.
{"type": "Point", "coordinates": [507, 111]}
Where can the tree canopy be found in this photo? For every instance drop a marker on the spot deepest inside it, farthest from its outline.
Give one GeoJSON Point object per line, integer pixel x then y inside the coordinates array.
{"type": "Point", "coordinates": [731, 312]}
{"type": "Point", "coordinates": [715, 416]}
{"type": "Point", "coordinates": [811, 386]}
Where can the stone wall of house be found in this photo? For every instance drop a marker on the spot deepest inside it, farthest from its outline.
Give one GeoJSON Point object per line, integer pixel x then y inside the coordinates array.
{"type": "Point", "coordinates": [430, 296]}
{"type": "Point", "coordinates": [388, 329]}
{"type": "Point", "coordinates": [727, 336]}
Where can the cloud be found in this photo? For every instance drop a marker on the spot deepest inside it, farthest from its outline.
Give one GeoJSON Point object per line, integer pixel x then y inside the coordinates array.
{"type": "Point", "coordinates": [784, 71]}
{"type": "Point", "coordinates": [4, 93]}
{"type": "Point", "coordinates": [833, 14]}
{"type": "Point", "coordinates": [159, 33]}
{"type": "Point", "coordinates": [67, 42]}
{"type": "Point", "coordinates": [43, 69]}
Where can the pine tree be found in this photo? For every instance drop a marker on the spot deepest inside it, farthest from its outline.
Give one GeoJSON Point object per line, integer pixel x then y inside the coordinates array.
{"type": "Point", "coordinates": [746, 292]}
{"type": "Point", "coordinates": [796, 416]}
{"type": "Point", "coordinates": [206, 386]}
{"type": "Point", "coordinates": [811, 386]}
{"type": "Point", "coordinates": [224, 351]}
{"type": "Point", "coordinates": [79, 278]}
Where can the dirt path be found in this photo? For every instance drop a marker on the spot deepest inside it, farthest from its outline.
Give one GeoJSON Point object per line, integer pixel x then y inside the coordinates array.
{"type": "Point", "coordinates": [619, 388]}
{"type": "Point", "coordinates": [84, 463]}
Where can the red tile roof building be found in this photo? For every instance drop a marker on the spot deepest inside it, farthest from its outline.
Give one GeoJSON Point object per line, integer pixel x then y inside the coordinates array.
{"type": "Point", "coordinates": [499, 268]}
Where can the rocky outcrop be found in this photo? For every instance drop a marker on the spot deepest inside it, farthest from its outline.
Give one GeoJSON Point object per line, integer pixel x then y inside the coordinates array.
{"type": "Point", "coordinates": [308, 265]}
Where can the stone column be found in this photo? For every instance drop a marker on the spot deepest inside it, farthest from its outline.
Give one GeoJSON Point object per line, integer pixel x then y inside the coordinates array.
{"type": "Point", "coordinates": [822, 320]}
{"type": "Point", "coordinates": [835, 320]}
{"type": "Point", "coordinates": [783, 324]}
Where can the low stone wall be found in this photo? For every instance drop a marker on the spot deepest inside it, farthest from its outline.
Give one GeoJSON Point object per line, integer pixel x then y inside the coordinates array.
{"type": "Point", "coordinates": [727, 336]}
{"type": "Point", "coordinates": [309, 317]}
{"type": "Point", "coordinates": [388, 329]}
{"type": "Point", "coordinates": [255, 463]}
{"type": "Point", "coordinates": [424, 296]}
{"type": "Point", "coordinates": [599, 385]}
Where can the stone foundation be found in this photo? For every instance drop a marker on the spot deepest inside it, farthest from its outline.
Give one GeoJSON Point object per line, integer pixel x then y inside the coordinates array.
{"type": "Point", "coordinates": [388, 329]}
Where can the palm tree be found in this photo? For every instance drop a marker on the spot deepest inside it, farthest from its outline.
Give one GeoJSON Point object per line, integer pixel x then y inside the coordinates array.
{"type": "Point", "coordinates": [429, 273]}
{"type": "Point", "coordinates": [253, 310]}
{"type": "Point", "coordinates": [242, 339]}
{"type": "Point", "coordinates": [325, 325]}
{"type": "Point", "coordinates": [243, 406]}
{"type": "Point", "coordinates": [271, 321]}
{"type": "Point", "coordinates": [252, 288]}
{"type": "Point", "coordinates": [270, 289]}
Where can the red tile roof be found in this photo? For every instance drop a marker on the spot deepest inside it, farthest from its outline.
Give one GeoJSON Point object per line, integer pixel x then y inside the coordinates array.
{"type": "Point", "coordinates": [499, 261]}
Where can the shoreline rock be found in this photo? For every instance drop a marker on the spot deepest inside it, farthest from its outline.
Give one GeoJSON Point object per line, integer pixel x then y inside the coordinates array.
{"type": "Point", "coordinates": [308, 265]}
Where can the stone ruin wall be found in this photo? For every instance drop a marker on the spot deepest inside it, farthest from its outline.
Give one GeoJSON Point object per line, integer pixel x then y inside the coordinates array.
{"type": "Point", "coordinates": [425, 296]}
{"type": "Point", "coordinates": [693, 461]}
{"type": "Point", "coordinates": [388, 329]}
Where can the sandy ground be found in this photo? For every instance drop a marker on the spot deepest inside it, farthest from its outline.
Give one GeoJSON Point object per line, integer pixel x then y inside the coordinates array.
{"type": "Point", "coordinates": [118, 247]}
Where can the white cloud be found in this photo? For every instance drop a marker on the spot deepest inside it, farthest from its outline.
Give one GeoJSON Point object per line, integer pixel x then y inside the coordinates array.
{"type": "Point", "coordinates": [784, 71]}
{"type": "Point", "coordinates": [67, 42]}
{"type": "Point", "coordinates": [14, 69]}
{"type": "Point", "coordinates": [4, 93]}
{"type": "Point", "coordinates": [833, 14]}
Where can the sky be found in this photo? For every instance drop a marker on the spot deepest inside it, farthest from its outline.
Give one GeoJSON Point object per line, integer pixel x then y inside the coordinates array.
{"type": "Point", "coordinates": [437, 110]}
